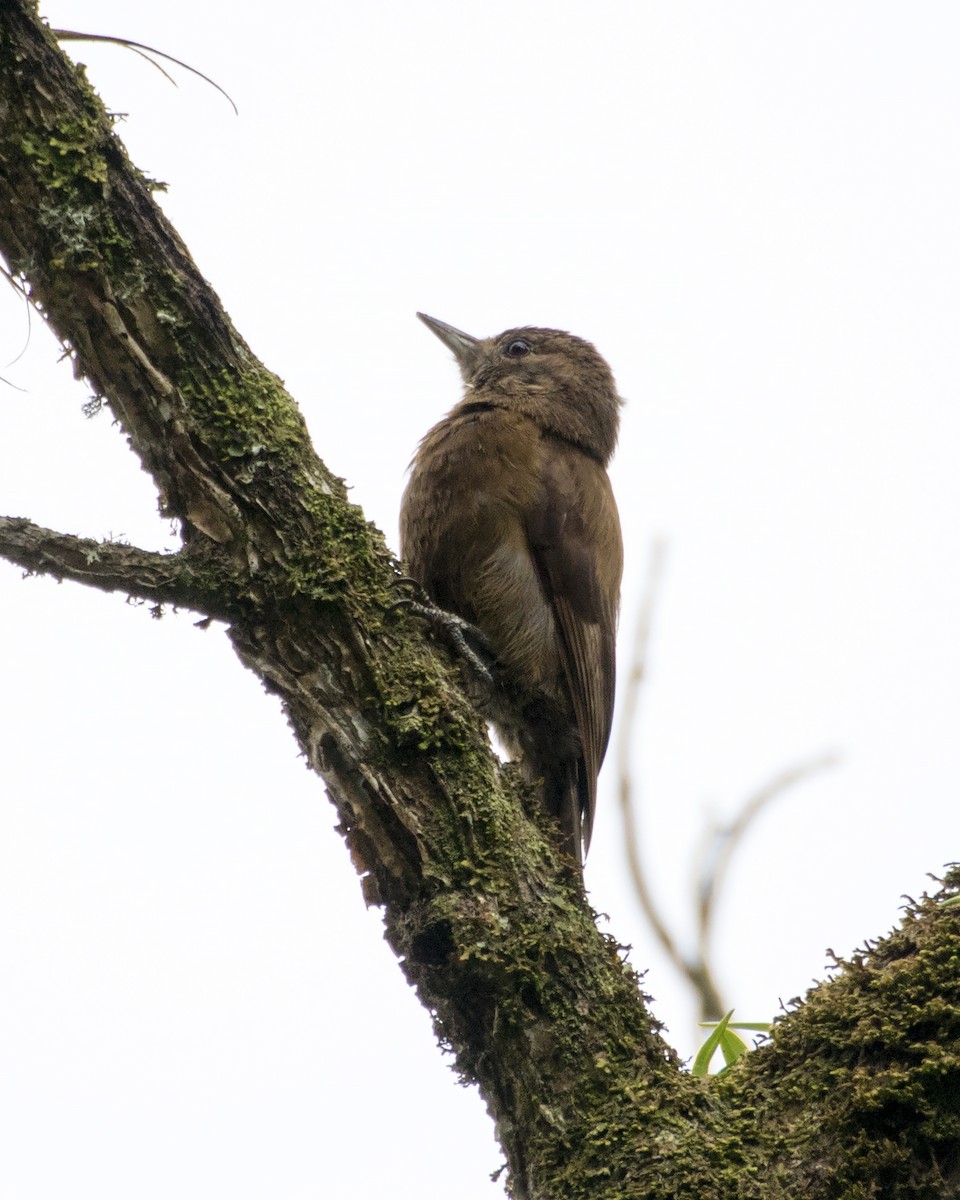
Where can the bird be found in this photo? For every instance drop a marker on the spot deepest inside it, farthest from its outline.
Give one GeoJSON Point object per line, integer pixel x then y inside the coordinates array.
{"type": "Point", "coordinates": [509, 522]}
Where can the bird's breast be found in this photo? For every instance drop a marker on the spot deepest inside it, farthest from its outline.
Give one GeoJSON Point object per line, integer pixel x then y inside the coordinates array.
{"type": "Point", "coordinates": [464, 534]}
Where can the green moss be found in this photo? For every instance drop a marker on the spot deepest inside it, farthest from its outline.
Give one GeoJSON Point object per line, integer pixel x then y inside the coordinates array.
{"type": "Point", "coordinates": [866, 1072]}
{"type": "Point", "coordinates": [246, 418]}
{"type": "Point", "coordinates": [520, 966]}
{"type": "Point", "coordinates": [419, 703]}
{"type": "Point", "coordinates": [346, 556]}
{"type": "Point", "coordinates": [69, 156]}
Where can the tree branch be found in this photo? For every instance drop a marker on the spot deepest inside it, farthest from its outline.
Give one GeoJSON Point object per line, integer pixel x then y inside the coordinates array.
{"type": "Point", "coordinates": [487, 921]}
{"type": "Point", "coordinates": [188, 579]}
{"type": "Point", "coordinates": [696, 970]}
{"type": "Point", "coordinates": [724, 841]}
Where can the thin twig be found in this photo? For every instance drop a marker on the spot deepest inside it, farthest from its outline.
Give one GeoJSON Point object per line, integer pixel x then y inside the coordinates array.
{"type": "Point", "coordinates": [694, 970]}
{"type": "Point", "coordinates": [697, 969]}
{"type": "Point", "coordinates": [71, 35]}
{"type": "Point", "coordinates": [628, 720]}
{"type": "Point", "coordinates": [725, 840]}
{"type": "Point", "coordinates": [21, 291]}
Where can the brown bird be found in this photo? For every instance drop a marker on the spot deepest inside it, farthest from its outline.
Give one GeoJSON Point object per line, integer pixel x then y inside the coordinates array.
{"type": "Point", "coordinates": [509, 522]}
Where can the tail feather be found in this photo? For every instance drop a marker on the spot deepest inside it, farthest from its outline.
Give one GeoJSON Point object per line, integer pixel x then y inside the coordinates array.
{"type": "Point", "coordinates": [566, 799]}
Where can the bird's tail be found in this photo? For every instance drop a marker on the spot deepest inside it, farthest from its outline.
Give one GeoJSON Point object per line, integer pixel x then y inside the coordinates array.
{"type": "Point", "coordinates": [566, 798]}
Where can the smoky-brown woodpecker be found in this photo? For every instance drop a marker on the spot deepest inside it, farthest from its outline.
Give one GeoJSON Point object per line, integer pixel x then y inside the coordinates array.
{"type": "Point", "coordinates": [509, 521]}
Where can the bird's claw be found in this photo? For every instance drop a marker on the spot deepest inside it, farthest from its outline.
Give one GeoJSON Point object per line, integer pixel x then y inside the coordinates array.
{"type": "Point", "coordinates": [457, 631]}
{"type": "Point", "coordinates": [407, 581]}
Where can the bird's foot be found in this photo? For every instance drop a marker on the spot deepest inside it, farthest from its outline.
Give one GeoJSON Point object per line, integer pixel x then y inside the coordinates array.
{"type": "Point", "coordinates": [407, 581]}
{"type": "Point", "coordinates": [458, 633]}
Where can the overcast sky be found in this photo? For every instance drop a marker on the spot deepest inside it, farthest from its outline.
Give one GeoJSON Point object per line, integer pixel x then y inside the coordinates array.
{"type": "Point", "coordinates": [752, 210]}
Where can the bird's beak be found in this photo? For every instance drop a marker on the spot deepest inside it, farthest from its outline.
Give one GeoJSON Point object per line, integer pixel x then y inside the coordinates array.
{"type": "Point", "coordinates": [466, 349]}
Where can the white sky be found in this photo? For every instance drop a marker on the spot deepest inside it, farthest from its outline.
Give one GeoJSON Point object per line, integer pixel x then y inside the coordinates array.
{"type": "Point", "coordinates": [751, 208]}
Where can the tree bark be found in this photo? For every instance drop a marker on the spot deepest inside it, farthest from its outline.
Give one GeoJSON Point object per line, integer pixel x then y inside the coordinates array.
{"type": "Point", "coordinates": [857, 1092]}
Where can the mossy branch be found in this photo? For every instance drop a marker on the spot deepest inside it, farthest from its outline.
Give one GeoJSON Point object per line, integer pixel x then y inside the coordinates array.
{"type": "Point", "coordinates": [189, 579]}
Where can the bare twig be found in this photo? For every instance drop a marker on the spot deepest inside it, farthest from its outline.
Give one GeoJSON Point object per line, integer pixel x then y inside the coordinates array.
{"type": "Point", "coordinates": [20, 289]}
{"type": "Point", "coordinates": [696, 968]}
{"type": "Point", "coordinates": [628, 721]}
{"type": "Point", "coordinates": [725, 839]}
{"type": "Point", "coordinates": [71, 35]}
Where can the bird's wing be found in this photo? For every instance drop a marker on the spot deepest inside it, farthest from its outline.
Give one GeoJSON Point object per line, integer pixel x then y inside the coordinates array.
{"type": "Point", "coordinates": [574, 537]}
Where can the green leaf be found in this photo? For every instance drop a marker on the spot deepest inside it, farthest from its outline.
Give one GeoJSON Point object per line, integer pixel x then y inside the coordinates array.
{"type": "Point", "coordinates": [701, 1064]}
{"type": "Point", "coordinates": [731, 1046]}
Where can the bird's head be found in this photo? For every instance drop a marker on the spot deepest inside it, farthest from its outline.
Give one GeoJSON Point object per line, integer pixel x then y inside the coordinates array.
{"type": "Point", "coordinates": [555, 378]}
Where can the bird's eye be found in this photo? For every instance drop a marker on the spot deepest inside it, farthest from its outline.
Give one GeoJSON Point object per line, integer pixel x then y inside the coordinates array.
{"type": "Point", "coordinates": [517, 348]}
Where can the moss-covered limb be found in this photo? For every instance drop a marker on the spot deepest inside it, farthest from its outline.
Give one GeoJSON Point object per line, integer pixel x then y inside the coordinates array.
{"type": "Point", "coordinates": [120, 290]}
{"type": "Point", "coordinates": [491, 928]}
{"type": "Point", "coordinates": [858, 1093]}
{"type": "Point", "coordinates": [218, 432]}
{"type": "Point", "coordinates": [189, 579]}
{"type": "Point", "coordinates": [436, 829]}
